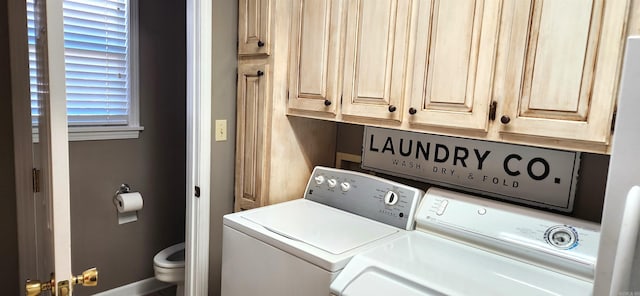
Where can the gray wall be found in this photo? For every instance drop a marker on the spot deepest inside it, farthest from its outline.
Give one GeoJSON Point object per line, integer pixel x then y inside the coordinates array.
{"type": "Point", "coordinates": [591, 181]}
{"type": "Point", "coordinates": [225, 35]}
{"type": "Point", "coordinates": [154, 164]}
{"type": "Point", "coordinates": [8, 223]}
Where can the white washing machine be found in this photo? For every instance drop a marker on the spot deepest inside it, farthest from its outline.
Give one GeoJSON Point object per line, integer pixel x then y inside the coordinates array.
{"type": "Point", "coordinates": [470, 246]}
{"type": "Point", "coordinates": [298, 247]}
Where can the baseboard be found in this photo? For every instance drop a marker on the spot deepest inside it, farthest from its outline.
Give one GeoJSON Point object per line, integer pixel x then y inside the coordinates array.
{"type": "Point", "coordinates": [139, 288]}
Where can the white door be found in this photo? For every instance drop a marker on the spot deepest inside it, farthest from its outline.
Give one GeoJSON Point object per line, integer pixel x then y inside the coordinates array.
{"type": "Point", "coordinates": [51, 198]}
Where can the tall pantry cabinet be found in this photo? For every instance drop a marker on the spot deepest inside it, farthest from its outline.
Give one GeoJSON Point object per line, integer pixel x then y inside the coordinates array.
{"type": "Point", "coordinates": [275, 154]}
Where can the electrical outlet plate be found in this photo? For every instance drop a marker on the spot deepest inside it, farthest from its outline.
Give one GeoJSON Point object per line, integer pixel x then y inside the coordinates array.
{"type": "Point", "coordinates": [221, 130]}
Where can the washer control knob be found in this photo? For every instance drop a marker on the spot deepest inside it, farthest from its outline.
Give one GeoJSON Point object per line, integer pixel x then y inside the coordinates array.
{"type": "Point", "coordinates": [563, 237]}
{"type": "Point", "coordinates": [332, 183]}
{"type": "Point", "coordinates": [391, 198]}
{"type": "Point", "coordinates": [319, 179]}
{"type": "Point", "coordinates": [345, 186]}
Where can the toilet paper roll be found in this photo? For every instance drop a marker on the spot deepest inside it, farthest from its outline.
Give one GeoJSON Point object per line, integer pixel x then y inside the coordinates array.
{"type": "Point", "coordinates": [129, 202]}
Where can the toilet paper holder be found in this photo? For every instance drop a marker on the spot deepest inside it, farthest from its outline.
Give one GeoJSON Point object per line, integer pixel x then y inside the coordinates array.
{"type": "Point", "coordinates": [124, 188]}
{"type": "Point", "coordinates": [128, 215]}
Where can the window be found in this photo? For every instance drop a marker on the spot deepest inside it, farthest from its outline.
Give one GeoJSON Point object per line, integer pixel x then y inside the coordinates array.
{"type": "Point", "coordinates": [100, 60]}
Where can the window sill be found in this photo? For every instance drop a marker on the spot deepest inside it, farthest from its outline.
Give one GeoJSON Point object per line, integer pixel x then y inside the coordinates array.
{"type": "Point", "coordinates": [97, 133]}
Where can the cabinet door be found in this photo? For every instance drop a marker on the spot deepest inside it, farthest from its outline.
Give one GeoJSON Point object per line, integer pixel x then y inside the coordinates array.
{"type": "Point", "coordinates": [455, 53]}
{"type": "Point", "coordinates": [563, 67]}
{"type": "Point", "coordinates": [253, 115]}
{"type": "Point", "coordinates": [314, 60]}
{"type": "Point", "coordinates": [253, 27]}
{"type": "Point", "coordinates": [375, 58]}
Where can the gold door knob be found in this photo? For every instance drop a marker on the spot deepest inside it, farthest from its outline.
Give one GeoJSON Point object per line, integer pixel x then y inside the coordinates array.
{"type": "Point", "coordinates": [34, 287]}
{"type": "Point", "coordinates": [88, 278]}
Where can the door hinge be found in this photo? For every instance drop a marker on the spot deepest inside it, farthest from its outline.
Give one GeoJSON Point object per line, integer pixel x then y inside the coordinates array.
{"type": "Point", "coordinates": [197, 191]}
{"type": "Point", "coordinates": [492, 110]}
{"type": "Point", "coordinates": [35, 179]}
{"type": "Point", "coordinates": [613, 119]}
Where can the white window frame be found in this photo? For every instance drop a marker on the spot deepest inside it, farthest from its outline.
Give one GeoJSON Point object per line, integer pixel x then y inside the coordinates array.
{"type": "Point", "coordinates": [133, 128]}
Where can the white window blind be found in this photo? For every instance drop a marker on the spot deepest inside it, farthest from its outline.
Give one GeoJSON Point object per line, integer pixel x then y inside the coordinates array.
{"type": "Point", "coordinates": [96, 62]}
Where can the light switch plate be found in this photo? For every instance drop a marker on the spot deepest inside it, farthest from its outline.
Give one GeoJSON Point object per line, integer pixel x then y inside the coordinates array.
{"type": "Point", "coordinates": [221, 130]}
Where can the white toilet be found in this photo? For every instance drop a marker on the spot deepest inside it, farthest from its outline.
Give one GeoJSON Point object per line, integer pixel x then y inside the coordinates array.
{"type": "Point", "coordinates": [168, 265]}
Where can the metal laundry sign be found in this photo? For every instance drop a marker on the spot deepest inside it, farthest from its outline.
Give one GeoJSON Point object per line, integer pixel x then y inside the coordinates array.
{"type": "Point", "coordinates": [536, 176]}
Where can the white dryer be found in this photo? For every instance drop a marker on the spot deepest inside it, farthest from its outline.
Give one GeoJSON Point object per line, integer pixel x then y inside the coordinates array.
{"type": "Point", "coordinates": [298, 247]}
{"type": "Point", "coordinates": [470, 246]}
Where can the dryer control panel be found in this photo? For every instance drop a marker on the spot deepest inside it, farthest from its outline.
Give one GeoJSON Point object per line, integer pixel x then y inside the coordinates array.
{"type": "Point", "coordinates": [369, 196]}
{"type": "Point", "coordinates": [553, 241]}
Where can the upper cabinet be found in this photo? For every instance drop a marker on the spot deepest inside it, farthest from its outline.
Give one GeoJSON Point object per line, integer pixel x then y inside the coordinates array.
{"type": "Point", "coordinates": [253, 27]}
{"type": "Point", "coordinates": [537, 72]}
{"type": "Point", "coordinates": [375, 59]}
{"type": "Point", "coordinates": [455, 52]}
{"type": "Point", "coordinates": [314, 87]}
{"type": "Point", "coordinates": [562, 68]}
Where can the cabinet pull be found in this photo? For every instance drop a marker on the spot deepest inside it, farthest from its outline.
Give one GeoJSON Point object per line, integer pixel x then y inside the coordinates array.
{"type": "Point", "coordinates": [412, 111]}
{"type": "Point", "coordinates": [260, 43]}
{"type": "Point", "coordinates": [613, 119]}
{"type": "Point", "coordinates": [392, 108]}
{"type": "Point", "coordinates": [492, 110]}
{"type": "Point", "coordinates": [327, 103]}
{"type": "Point", "coordinates": [258, 74]}
{"type": "Point", "coordinates": [505, 119]}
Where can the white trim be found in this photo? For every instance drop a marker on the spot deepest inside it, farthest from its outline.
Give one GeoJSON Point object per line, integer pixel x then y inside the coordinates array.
{"type": "Point", "coordinates": [139, 288]}
{"type": "Point", "coordinates": [199, 75]}
{"type": "Point", "coordinates": [134, 66]}
{"type": "Point", "coordinates": [93, 133]}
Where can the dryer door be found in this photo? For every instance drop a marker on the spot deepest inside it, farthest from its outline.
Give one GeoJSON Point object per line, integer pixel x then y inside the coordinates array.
{"type": "Point", "coordinates": [373, 282]}
{"type": "Point", "coordinates": [422, 264]}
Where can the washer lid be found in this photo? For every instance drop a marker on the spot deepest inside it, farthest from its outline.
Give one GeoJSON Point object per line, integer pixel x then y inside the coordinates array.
{"type": "Point", "coordinates": [326, 228]}
{"type": "Point", "coordinates": [425, 264]}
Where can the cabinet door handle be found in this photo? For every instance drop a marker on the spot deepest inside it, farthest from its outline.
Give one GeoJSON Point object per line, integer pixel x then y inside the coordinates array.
{"type": "Point", "coordinates": [392, 108]}
{"type": "Point", "coordinates": [412, 111]}
{"type": "Point", "coordinates": [505, 119]}
{"type": "Point", "coordinates": [258, 74]}
{"type": "Point", "coordinates": [327, 103]}
{"type": "Point", "coordinates": [260, 43]}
